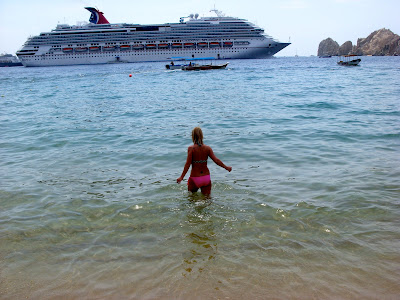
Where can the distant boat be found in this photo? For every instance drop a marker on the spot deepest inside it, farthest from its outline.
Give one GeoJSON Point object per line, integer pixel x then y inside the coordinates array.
{"type": "Point", "coordinates": [325, 56]}
{"type": "Point", "coordinates": [191, 66]}
{"type": "Point", "coordinates": [8, 60]}
{"type": "Point", "coordinates": [349, 60]}
{"type": "Point", "coordinates": [197, 67]}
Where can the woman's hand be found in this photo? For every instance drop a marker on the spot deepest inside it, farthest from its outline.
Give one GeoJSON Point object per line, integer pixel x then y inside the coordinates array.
{"type": "Point", "coordinates": [229, 169]}
{"type": "Point", "coordinates": [179, 179]}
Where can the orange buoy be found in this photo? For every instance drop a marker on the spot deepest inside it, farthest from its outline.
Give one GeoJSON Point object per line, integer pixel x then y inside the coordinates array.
{"type": "Point", "coordinates": [130, 75]}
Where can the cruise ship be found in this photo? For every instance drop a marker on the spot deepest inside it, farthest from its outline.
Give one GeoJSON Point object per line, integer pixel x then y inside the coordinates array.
{"type": "Point", "coordinates": [100, 42]}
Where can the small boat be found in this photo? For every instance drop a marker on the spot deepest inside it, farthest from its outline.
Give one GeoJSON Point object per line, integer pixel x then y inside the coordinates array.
{"type": "Point", "coordinates": [197, 67]}
{"type": "Point", "coordinates": [8, 60]}
{"type": "Point", "coordinates": [190, 65]}
{"type": "Point", "coordinates": [349, 60]}
{"type": "Point", "coordinates": [125, 47]}
{"type": "Point", "coordinates": [162, 46]}
{"type": "Point", "coordinates": [67, 49]}
{"type": "Point", "coordinates": [94, 48]}
{"type": "Point", "coordinates": [176, 45]}
{"type": "Point", "coordinates": [202, 44]}
{"type": "Point", "coordinates": [188, 45]}
{"type": "Point", "coordinates": [150, 46]}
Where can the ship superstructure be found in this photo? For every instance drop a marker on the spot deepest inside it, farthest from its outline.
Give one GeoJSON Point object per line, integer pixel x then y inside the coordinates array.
{"type": "Point", "coordinates": [100, 42]}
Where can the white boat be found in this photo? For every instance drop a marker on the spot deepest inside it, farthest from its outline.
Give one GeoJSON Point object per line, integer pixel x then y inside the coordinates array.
{"type": "Point", "coordinates": [8, 60]}
{"type": "Point", "coordinates": [220, 36]}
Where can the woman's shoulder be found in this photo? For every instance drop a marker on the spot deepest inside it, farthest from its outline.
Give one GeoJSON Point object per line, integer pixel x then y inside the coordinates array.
{"type": "Point", "coordinates": [207, 148]}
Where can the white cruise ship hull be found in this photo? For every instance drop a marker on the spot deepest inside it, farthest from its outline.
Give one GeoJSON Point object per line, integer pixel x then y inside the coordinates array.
{"type": "Point", "coordinates": [145, 55]}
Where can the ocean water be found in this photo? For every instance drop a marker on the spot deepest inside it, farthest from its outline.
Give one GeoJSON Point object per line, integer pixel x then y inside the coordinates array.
{"type": "Point", "coordinates": [90, 207]}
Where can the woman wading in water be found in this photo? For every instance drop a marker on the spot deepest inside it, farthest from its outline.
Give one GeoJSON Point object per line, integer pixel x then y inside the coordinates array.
{"type": "Point", "coordinates": [197, 157]}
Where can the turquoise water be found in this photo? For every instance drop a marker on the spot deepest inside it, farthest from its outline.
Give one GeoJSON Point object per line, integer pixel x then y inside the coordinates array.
{"type": "Point", "coordinates": [90, 208]}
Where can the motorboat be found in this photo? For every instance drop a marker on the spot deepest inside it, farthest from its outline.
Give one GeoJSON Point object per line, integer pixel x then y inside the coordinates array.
{"type": "Point", "coordinates": [198, 67]}
{"type": "Point", "coordinates": [349, 60]}
{"type": "Point", "coordinates": [192, 65]}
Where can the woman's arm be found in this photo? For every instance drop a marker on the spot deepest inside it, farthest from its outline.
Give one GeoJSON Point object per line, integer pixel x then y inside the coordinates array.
{"type": "Point", "coordinates": [187, 164]}
{"type": "Point", "coordinates": [218, 161]}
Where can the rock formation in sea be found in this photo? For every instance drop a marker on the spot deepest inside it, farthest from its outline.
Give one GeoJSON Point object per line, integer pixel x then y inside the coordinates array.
{"type": "Point", "coordinates": [328, 47]}
{"type": "Point", "coordinates": [382, 42]}
{"type": "Point", "coordinates": [346, 48]}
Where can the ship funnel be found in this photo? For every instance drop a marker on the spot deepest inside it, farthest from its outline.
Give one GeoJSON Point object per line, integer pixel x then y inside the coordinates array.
{"type": "Point", "coordinates": [96, 16]}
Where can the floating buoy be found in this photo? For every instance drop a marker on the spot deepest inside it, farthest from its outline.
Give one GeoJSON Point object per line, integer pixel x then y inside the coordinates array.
{"type": "Point", "coordinates": [130, 75]}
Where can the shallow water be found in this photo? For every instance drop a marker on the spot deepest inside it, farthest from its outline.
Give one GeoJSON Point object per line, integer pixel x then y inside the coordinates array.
{"type": "Point", "coordinates": [90, 208]}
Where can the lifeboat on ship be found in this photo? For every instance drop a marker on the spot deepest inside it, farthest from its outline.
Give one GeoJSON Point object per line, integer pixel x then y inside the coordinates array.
{"type": "Point", "coordinates": [188, 45]}
{"type": "Point", "coordinates": [150, 46]}
{"type": "Point", "coordinates": [125, 47]}
{"type": "Point", "coordinates": [67, 50]}
{"type": "Point", "coordinates": [227, 44]}
{"type": "Point", "coordinates": [176, 45]}
{"type": "Point", "coordinates": [202, 44]}
{"type": "Point", "coordinates": [138, 46]}
{"type": "Point", "coordinates": [109, 48]}
{"type": "Point", "coordinates": [94, 48]}
{"type": "Point", "coordinates": [162, 46]}
{"type": "Point", "coordinates": [81, 49]}
{"type": "Point", "coordinates": [214, 44]}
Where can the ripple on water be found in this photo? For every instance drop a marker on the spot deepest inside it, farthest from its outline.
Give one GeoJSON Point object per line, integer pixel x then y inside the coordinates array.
{"type": "Point", "coordinates": [90, 205]}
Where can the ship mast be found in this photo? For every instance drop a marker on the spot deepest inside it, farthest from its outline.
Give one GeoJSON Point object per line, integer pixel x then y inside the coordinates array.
{"type": "Point", "coordinates": [219, 13]}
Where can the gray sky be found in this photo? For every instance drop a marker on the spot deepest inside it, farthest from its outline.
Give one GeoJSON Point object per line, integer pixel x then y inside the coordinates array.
{"type": "Point", "coordinates": [305, 22]}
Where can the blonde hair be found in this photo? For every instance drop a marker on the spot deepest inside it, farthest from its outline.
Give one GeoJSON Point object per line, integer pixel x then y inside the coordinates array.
{"type": "Point", "coordinates": [197, 136]}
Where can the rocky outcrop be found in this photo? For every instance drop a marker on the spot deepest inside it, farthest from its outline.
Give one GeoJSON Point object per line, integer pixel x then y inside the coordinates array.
{"type": "Point", "coordinates": [346, 48]}
{"type": "Point", "coordinates": [328, 47]}
{"type": "Point", "coordinates": [380, 42]}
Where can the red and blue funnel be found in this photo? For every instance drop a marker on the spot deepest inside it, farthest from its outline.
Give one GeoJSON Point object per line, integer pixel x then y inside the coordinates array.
{"type": "Point", "coordinates": [97, 16]}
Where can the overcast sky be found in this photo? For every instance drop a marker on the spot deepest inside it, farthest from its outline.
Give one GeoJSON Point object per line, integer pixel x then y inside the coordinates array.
{"type": "Point", "coordinates": [304, 22]}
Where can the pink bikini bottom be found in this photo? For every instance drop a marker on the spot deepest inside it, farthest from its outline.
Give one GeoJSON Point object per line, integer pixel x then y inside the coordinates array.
{"type": "Point", "coordinates": [201, 180]}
